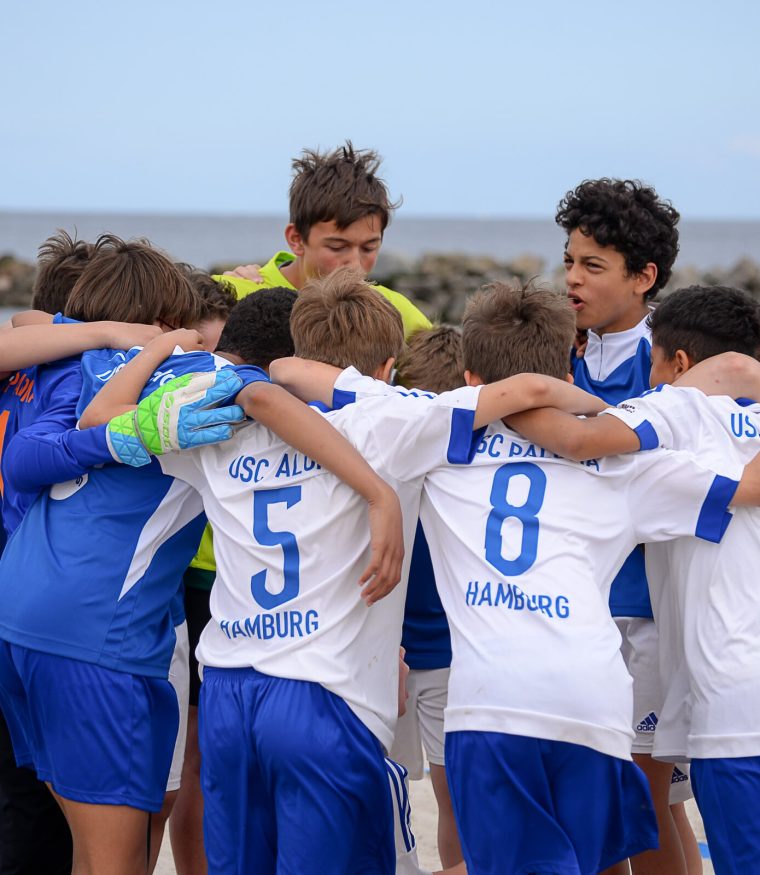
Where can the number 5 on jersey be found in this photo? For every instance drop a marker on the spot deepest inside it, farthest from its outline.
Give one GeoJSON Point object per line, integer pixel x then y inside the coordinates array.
{"type": "Point", "coordinates": [527, 513]}
{"type": "Point", "coordinates": [287, 495]}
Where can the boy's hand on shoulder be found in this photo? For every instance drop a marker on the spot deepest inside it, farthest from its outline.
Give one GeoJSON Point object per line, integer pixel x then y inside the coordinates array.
{"type": "Point", "coordinates": [386, 545]}
{"type": "Point", "coordinates": [187, 339]}
{"type": "Point", "coordinates": [250, 272]}
{"type": "Point", "coordinates": [125, 335]}
{"type": "Point", "coordinates": [178, 416]}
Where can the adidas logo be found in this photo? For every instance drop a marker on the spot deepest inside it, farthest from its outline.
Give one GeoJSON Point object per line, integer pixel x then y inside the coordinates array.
{"type": "Point", "coordinates": [678, 776]}
{"type": "Point", "coordinates": [648, 724]}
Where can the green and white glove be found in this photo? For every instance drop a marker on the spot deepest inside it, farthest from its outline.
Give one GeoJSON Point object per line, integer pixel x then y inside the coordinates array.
{"type": "Point", "coordinates": [178, 416]}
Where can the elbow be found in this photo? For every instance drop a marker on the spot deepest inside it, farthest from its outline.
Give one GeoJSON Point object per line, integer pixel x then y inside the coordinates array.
{"type": "Point", "coordinates": [278, 371]}
{"type": "Point", "coordinates": [575, 448]}
{"type": "Point", "coordinates": [257, 399]}
{"type": "Point", "coordinates": [739, 366]}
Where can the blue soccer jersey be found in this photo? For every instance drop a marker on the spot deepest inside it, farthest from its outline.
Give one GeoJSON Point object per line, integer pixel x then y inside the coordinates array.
{"type": "Point", "coordinates": [41, 401]}
{"type": "Point", "coordinates": [106, 551]}
{"type": "Point", "coordinates": [615, 367]}
{"type": "Point", "coordinates": [425, 637]}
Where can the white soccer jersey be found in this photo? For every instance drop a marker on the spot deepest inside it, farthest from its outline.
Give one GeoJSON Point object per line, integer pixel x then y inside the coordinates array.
{"type": "Point", "coordinates": [524, 546]}
{"type": "Point", "coordinates": [714, 610]}
{"type": "Point", "coordinates": [291, 541]}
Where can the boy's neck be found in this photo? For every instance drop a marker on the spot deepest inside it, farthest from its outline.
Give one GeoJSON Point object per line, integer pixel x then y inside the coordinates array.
{"type": "Point", "coordinates": [294, 273]}
{"type": "Point", "coordinates": [231, 357]}
{"type": "Point", "coordinates": [624, 324]}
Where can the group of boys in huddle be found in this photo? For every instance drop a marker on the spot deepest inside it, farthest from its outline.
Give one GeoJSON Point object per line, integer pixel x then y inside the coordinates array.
{"type": "Point", "coordinates": [417, 536]}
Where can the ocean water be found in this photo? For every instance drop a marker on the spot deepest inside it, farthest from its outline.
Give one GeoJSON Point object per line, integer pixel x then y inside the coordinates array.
{"type": "Point", "coordinates": [207, 240]}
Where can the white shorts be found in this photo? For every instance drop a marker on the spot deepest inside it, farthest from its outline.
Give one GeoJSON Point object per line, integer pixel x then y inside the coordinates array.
{"type": "Point", "coordinates": [640, 653]}
{"type": "Point", "coordinates": [422, 725]}
{"type": "Point", "coordinates": [680, 784]}
{"type": "Point", "coordinates": [179, 678]}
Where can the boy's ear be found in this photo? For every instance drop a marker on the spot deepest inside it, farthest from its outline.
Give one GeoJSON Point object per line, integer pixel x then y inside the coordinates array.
{"type": "Point", "coordinates": [681, 363]}
{"type": "Point", "coordinates": [570, 378]}
{"type": "Point", "coordinates": [294, 239]}
{"type": "Point", "coordinates": [646, 278]}
{"type": "Point", "coordinates": [472, 379]}
{"type": "Point", "coordinates": [383, 371]}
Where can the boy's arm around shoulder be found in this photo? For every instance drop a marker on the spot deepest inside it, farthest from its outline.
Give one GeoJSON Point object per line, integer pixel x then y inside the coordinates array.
{"type": "Point", "coordinates": [306, 379]}
{"type": "Point", "coordinates": [530, 391]}
{"type": "Point", "coordinates": [121, 393]}
{"type": "Point", "coordinates": [51, 450]}
{"type": "Point", "coordinates": [730, 373]}
{"type": "Point", "coordinates": [307, 431]}
{"type": "Point", "coordinates": [574, 438]}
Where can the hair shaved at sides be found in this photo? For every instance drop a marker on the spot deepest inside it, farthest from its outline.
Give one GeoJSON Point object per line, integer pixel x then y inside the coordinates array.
{"type": "Point", "coordinates": [258, 327]}
{"type": "Point", "coordinates": [133, 282]}
{"type": "Point", "coordinates": [341, 186]}
{"type": "Point", "coordinates": [432, 360]}
{"type": "Point", "coordinates": [342, 320]}
{"type": "Point", "coordinates": [509, 329]}
{"type": "Point", "coordinates": [60, 262]}
{"type": "Point", "coordinates": [705, 321]}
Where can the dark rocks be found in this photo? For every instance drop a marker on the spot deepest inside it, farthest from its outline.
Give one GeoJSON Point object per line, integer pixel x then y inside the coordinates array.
{"type": "Point", "coordinates": [439, 282]}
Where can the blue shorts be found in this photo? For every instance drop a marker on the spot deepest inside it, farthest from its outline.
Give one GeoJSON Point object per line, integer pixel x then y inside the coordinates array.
{"type": "Point", "coordinates": [728, 795]}
{"type": "Point", "coordinates": [524, 805]}
{"type": "Point", "coordinates": [97, 736]}
{"type": "Point", "coordinates": [293, 782]}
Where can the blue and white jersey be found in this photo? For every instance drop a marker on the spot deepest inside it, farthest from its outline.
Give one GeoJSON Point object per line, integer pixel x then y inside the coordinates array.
{"type": "Point", "coordinates": [710, 604]}
{"type": "Point", "coordinates": [291, 541]}
{"type": "Point", "coordinates": [524, 569]}
{"type": "Point", "coordinates": [92, 569]}
{"type": "Point", "coordinates": [40, 401]}
{"type": "Point", "coordinates": [615, 367]}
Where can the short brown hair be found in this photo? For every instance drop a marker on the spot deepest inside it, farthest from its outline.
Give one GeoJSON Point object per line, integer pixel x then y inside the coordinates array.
{"type": "Point", "coordinates": [340, 186]}
{"type": "Point", "coordinates": [510, 329]}
{"type": "Point", "coordinates": [132, 282]}
{"type": "Point", "coordinates": [432, 360]}
{"type": "Point", "coordinates": [60, 262]}
{"type": "Point", "coordinates": [217, 297]}
{"type": "Point", "coordinates": [342, 320]}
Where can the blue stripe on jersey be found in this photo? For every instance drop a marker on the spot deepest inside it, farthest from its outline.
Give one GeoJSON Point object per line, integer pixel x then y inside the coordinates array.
{"type": "Point", "coordinates": [106, 553]}
{"type": "Point", "coordinates": [745, 402]}
{"type": "Point", "coordinates": [397, 775]}
{"type": "Point", "coordinates": [628, 380]}
{"type": "Point", "coordinates": [629, 594]}
{"type": "Point", "coordinates": [714, 516]}
{"type": "Point", "coordinates": [342, 398]}
{"type": "Point", "coordinates": [647, 436]}
{"type": "Point", "coordinates": [463, 441]}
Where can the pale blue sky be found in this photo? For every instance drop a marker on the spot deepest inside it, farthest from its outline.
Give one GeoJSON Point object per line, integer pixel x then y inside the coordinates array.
{"type": "Point", "coordinates": [479, 108]}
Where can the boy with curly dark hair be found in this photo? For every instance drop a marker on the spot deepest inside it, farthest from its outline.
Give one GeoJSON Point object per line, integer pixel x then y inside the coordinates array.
{"type": "Point", "coordinates": [622, 241]}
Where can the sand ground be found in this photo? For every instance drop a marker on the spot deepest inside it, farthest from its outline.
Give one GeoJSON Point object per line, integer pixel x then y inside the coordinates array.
{"type": "Point", "coordinates": [424, 826]}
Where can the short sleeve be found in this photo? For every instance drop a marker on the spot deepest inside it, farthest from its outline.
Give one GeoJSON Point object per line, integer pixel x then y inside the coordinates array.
{"type": "Point", "coordinates": [663, 417]}
{"type": "Point", "coordinates": [670, 495]}
{"type": "Point", "coordinates": [408, 435]}
{"type": "Point", "coordinates": [352, 386]}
